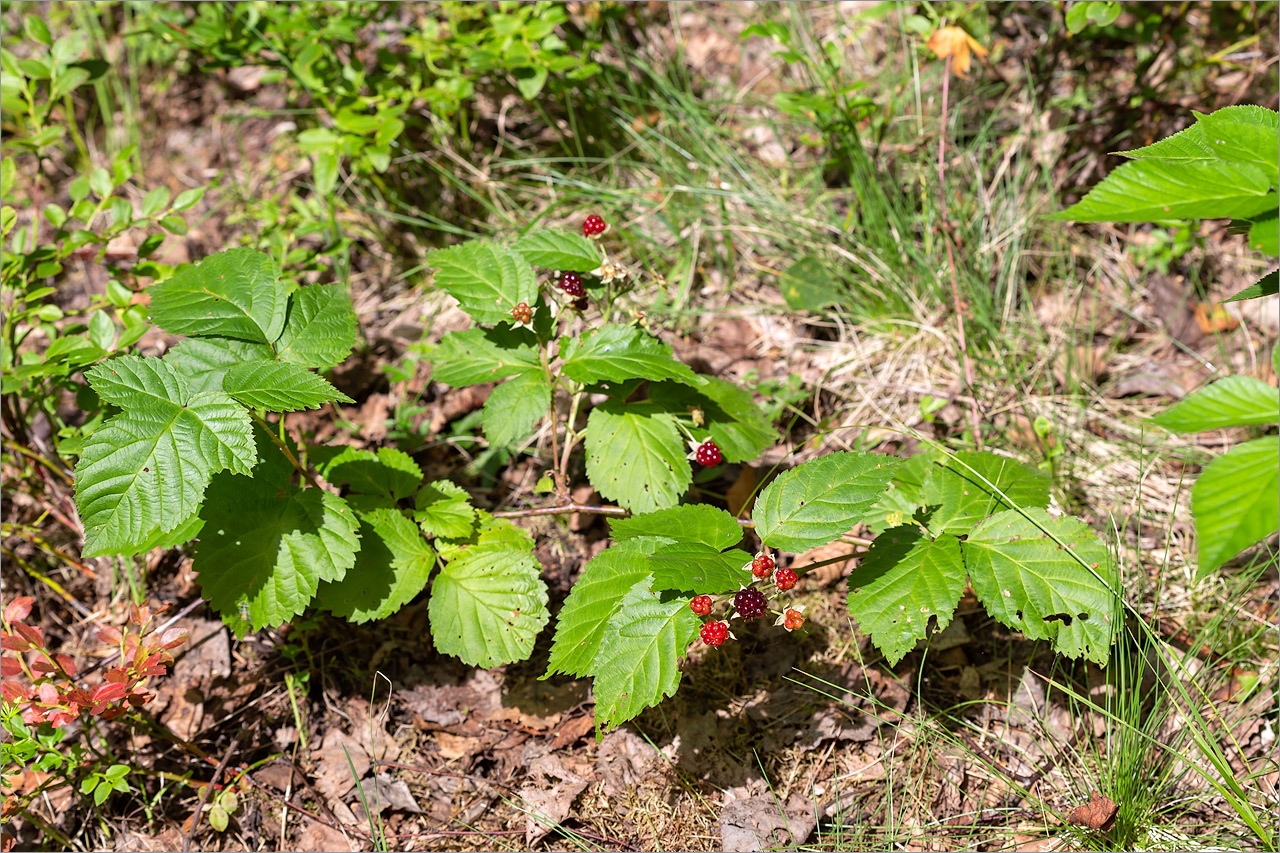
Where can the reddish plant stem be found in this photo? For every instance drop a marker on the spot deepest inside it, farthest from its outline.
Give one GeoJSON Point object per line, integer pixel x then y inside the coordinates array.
{"type": "Point", "coordinates": [204, 795]}
{"type": "Point", "coordinates": [975, 421]}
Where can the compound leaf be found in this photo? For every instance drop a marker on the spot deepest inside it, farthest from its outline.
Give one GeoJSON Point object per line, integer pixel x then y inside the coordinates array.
{"type": "Point", "coordinates": [635, 456]}
{"type": "Point", "coordinates": [233, 294]}
{"type": "Point", "coordinates": [392, 567]}
{"type": "Point", "coordinates": [596, 595]}
{"type": "Point", "coordinates": [279, 386]}
{"type": "Point", "coordinates": [638, 663]}
{"type": "Point", "coordinates": [964, 488]}
{"type": "Point", "coordinates": [688, 523]}
{"type": "Point", "coordinates": [147, 468]}
{"type": "Point", "coordinates": [444, 509]}
{"type": "Point", "coordinates": [1236, 501]}
{"type": "Point", "coordinates": [388, 472]}
{"type": "Point", "coordinates": [482, 355]}
{"type": "Point", "coordinates": [319, 328]}
{"type": "Point", "coordinates": [265, 547]}
{"type": "Point", "coordinates": [906, 578]}
{"type": "Point", "coordinates": [515, 407]}
{"type": "Point", "coordinates": [559, 250]}
{"type": "Point", "coordinates": [487, 280]}
{"type": "Point", "coordinates": [817, 502]}
{"type": "Point", "coordinates": [615, 353]}
{"type": "Point", "coordinates": [488, 604]}
{"type": "Point", "coordinates": [203, 361]}
{"type": "Point", "coordinates": [697, 568]}
{"type": "Point", "coordinates": [1034, 585]}
{"type": "Point", "coordinates": [1231, 401]}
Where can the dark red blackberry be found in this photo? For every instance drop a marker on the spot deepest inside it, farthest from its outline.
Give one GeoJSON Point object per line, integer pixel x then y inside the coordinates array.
{"type": "Point", "coordinates": [750, 603]}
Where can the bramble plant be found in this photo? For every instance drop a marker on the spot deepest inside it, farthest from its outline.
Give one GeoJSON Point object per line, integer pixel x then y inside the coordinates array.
{"type": "Point", "coordinates": [1223, 166]}
{"type": "Point", "coordinates": [282, 526]}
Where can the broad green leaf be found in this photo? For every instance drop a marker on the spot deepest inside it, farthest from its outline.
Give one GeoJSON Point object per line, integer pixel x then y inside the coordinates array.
{"type": "Point", "coordinates": [807, 285]}
{"type": "Point", "coordinates": [697, 568]}
{"type": "Point", "coordinates": [1099, 12]}
{"type": "Point", "coordinates": [1184, 145]}
{"type": "Point", "coordinates": [444, 509]}
{"type": "Point", "coordinates": [1230, 401]}
{"type": "Point", "coordinates": [1146, 190]}
{"type": "Point", "coordinates": [157, 538]}
{"type": "Point", "coordinates": [688, 523]}
{"type": "Point", "coordinates": [1264, 236]}
{"type": "Point", "coordinates": [1244, 134]}
{"type": "Point", "coordinates": [319, 328]}
{"type": "Point", "coordinates": [819, 501]}
{"type": "Point", "coordinates": [638, 664]}
{"type": "Point", "coordinates": [1236, 501]}
{"type": "Point", "coordinates": [488, 605]}
{"type": "Point", "coordinates": [203, 361]}
{"type": "Point", "coordinates": [1268, 285]}
{"type": "Point", "coordinates": [482, 355]}
{"type": "Point", "coordinates": [615, 353]}
{"type": "Point", "coordinates": [1034, 585]}
{"type": "Point", "coordinates": [392, 567]}
{"type": "Point", "coordinates": [266, 547]}
{"type": "Point", "coordinates": [962, 489]}
{"type": "Point", "coordinates": [559, 250]}
{"type": "Point", "coordinates": [147, 468]}
{"type": "Point", "coordinates": [487, 280]}
{"type": "Point", "coordinates": [515, 407]}
{"type": "Point", "coordinates": [904, 496]}
{"type": "Point", "coordinates": [596, 595]}
{"type": "Point", "coordinates": [233, 294]}
{"type": "Point", "coordinates": [388, 472]}
{"type": "Point", "coordinates": [904, 581]}
{"type": "Point", "coordinates": [636, 457]}
{"type": "Point", "coordinates": [730, 415]}
{"type": "Point", "coordinates": [279, 386]}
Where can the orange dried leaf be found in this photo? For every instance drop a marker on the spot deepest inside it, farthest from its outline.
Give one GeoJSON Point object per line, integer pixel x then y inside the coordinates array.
{"type": "Point", "coordinates": [959, 45]}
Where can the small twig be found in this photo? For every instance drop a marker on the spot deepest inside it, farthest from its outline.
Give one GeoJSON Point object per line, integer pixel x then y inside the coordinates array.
{"type": "Point", "coordinates": [975, 420]}
{"type": "Point", "coordinates": [284, 448]}
{"type": "Point", "coordinates": [204, 795]}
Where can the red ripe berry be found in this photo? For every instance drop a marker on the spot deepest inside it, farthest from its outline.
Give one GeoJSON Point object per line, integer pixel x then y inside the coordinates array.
{"type": "Point", "coordinates": [750, 603]}
{"type": "Point", "coordinates": [522, 313]}
{"type": "Point", "coordinates": [762, 565]}
{"type": "Point", "coordinates": [785, 578]}
{"type": "Point", "coordinates": [708, 454]}
{"type": "Point", "coordinates": [701, 605]}
{"type": "Point", "coordinates": [793, 620]}
{"type": "Point", "coordinates": [593, 226]}
{"type": "Point", "coordinates": [715, 633]}
{"type": "Point", "coordinates": [571, 283]}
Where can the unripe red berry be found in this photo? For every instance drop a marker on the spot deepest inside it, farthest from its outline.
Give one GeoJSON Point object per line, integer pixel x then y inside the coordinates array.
{"type": "Point", "coordinates": [701, 605]}
{"type": "Point", "coordinates": [522, 313]}
{"type": "Point", "coordinates": [593, 226]}
{"type": "Point", "coordinates": [785, 578]}
{"type": "Point", "coordinates": [793, 619]}
{"type": "Point", "coordinates": [762, 565]}
{"type": "Point", "coordinates": [715, 633]}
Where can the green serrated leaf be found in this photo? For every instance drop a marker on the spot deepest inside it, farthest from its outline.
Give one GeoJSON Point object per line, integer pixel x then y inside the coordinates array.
{"type": "Point", "coordinates": [483, 355]}
{"type": "Point", "coordinates": [164, 540]}
{"type": "Point", "coordinates": [906, 579]}
{"type": "Point", "coordinates": [1244, 134]}
{"type": "Point", "coordinates": [203, 361]}
{"type": "Point", "coordinates": [1264, 235]}
{"type": "Point", "coordinates": [638, 664]}
{"type": "Point", "coordinates": [279, 386]}
{"type": "Point", "coordinates": [615, 353]}
{"type": "Point", "coordinates": [904, 496]}
{"type": "Point", "coordinates": [559, 250]}
{"type": "Point", "coordinates": [233, 294]}
{"type": "Point", "coordinates": [444, 509]}
{"type": "Point", "coordinates": [147, 468]}
{"type": "Point", "coordinates": [635, 456]}
{"type": "Point", "coordinates": [730, 415]}
{"type": "Point", "coordinates": [392, 567]}
{"type": "Point", "coordinates": [488, 604]}
{"type": "Point", "coordinates": [1268, 285]}
{"type": "Point", "coordinates": [1030, 583]}
{"type": "Point", "coordinates": [1236, 501]}
{"type": "Point", "coordinates": [964, 488]}
{"type": "Point", "coordinates": [1150, 189]}
{"type": "Point", "coordinates": [487, 280]}
{"type": "Point", "coordinates": [821, 500]}
{"type": "Point", "coordinates": [688, 523]}
{"type": "Point", "coordinates": [596, 595]}
{"type": "Point", "coordinates": [319, 328]}
{"type": "Point", "coordinates": [388, 472]}
{"type": "Point", "coordinates": [1230, 401]}
{"type": "Point", "coordinates": [697, 568]}
{"type": "Point", "coordinates": [515, 407]}
{"type": "Point", "coordinates": [266, 547]}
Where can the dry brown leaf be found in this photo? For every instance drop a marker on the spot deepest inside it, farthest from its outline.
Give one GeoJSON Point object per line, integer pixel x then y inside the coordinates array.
{"type": "Point", "coordinates": [742, 491]}
{"type": "Point", "coordinates": [453, 747]}
{"type": "Point", "coordinates": [1213, 317]}
{"type": "Point", "coordinates": [757, 823]}
{"type": "Point", "coordinates": [1099, 813]}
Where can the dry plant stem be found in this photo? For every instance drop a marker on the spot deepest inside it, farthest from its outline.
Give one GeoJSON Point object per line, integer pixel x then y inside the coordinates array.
{"type": "Point", "coordinates": [204, 795]}
{"type": "Point", "coordinates": [975, 422]}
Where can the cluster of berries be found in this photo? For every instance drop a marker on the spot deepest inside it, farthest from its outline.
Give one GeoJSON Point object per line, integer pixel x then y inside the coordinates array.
{"type": "Point", "coordinates": [750, 602]}
{"type": "Point", "coordinates": [571, 282]}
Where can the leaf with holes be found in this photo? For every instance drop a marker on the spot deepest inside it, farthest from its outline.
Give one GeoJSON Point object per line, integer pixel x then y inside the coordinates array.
{"type": "Point", "coordinates": [233, 294]}
{"type": "Point", "coordinates": [1021, 569]}
{"type": "Point", "coordinates": [279, 386]}
{"type": "Point", "coordinates": [819, 501]}
{"type": "Point", "coordinates": [966, 488]}
{"type": "Point", "coordinates": [635, 456]}
{"type": "Point", "coordinates": [906, 579]}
